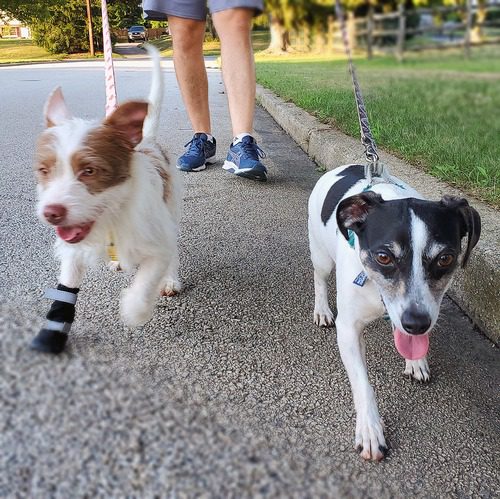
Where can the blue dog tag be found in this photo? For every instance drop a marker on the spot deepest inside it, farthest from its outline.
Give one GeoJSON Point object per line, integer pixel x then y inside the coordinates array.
{"type": "Point", "coordinates": [360, 279]}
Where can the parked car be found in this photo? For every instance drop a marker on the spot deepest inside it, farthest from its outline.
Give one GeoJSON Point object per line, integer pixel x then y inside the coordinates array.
{"type": "Point", "coordinates": [137, 33]}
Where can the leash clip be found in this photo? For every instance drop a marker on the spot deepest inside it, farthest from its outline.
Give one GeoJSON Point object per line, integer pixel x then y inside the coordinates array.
{"type": "Point", "coordinates": [376, 171]}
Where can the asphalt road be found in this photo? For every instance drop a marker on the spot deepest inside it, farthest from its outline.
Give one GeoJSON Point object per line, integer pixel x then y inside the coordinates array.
{"type": "Point", "coordinates": [230, 391]}
{"type": "Point", "coordinates": [130, 50]}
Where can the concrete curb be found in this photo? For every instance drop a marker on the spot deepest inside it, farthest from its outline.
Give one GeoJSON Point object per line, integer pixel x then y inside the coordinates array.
{"type": "Point", "coordinates": [476, 289]}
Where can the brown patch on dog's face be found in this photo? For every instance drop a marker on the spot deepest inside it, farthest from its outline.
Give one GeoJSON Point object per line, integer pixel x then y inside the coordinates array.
{"type": "Point", "coordinates": [104, 159]}
{"type": "Point", "coordinates": [45, 158]}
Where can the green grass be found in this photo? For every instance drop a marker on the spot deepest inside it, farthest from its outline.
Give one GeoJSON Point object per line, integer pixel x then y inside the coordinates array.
{"type": "Point", "coordinates": [436, 110]}
{"type": "Point", "coordinates": [13, 50]}
{"type": "Point", "coordinates": [260, 41]}
{"type": "Point", "coordinates": [439, 112]}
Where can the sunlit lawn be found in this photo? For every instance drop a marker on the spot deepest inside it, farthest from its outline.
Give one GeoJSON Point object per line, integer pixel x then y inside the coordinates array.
{"type": "Point", "coordinates": [260, 41]}
{"type": "Point", "coordinates": [437, 111]}
{"type": "Point", "coordinates": [14, 50]}
{"type": "Point", "coordinates": [17, 50]}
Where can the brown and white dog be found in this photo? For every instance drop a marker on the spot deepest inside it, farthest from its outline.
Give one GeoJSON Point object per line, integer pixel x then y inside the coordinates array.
{"type": "Point", "coordinates": [108, 180]}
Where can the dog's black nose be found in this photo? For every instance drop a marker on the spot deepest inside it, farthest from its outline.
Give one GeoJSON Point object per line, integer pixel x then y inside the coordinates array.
{"type": "Point", "coordinates": [415, 322]}
{"type": "Point", "coordinates": [55, 213]}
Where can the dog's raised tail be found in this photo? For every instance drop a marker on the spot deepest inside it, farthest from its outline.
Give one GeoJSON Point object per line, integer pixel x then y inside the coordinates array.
{"type": "Point", "coordinates": [155, 98]}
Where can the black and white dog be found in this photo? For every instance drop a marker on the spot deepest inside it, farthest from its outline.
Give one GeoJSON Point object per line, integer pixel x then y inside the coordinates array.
{"type": "Point", "coordinates": [394, 252]}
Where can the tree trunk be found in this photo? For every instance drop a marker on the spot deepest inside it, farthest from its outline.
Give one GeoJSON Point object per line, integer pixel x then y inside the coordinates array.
{"type": "Point", "coordinates": [369, 31]}
{"type": "Point", "coordinates": [319, 39]}
{"type": "Point", "coordinates": [400, 44]}
{"type": "Point", "coordinates": [331, 33]}
{"type": "Point", "coordinates": [477, 31]}
{"type": "Point", "coordinates": [307, 38]}
{"type": "Point", "coordinates": [211, 28]}
{"type": "Point", "coordinates": [468, 24]}
{"type": "Point", "coordinates": [280, 37]}
{"type": "Point", "coordinates": [351, 30]}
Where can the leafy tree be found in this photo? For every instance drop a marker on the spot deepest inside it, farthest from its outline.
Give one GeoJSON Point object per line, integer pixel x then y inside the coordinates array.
{"type": "Point", "coordinates": [26, 11]}
{"type": "Point", "coordinates": [284, 15]}
{"type": "Point", "coordinates": [124, 13]}
{"type": "Point", "coordinates": [60, 26]}
{"type": "Point", "coordinates": [64, 29]}
{"type": "Point", "coordinates": [287, 15]}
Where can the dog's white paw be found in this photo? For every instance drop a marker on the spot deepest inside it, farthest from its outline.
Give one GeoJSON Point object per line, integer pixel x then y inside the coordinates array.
{"type": "Point", "coordinates": [418, 369]}
{"type": "Point", "coordinates": [171, 287]}
{"type": "Point", "coordinates": [370, 441]}
{"type": "Point", "coordinates": [134, 310]}
{"type": "Point", "coordinates": [323, 318]}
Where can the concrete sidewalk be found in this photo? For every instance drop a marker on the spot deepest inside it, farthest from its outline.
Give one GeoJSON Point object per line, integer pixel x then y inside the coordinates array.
{"type": "Point", "coordinates": [477, 288]}
{"type": "Point", "coordinates": [230, 390]}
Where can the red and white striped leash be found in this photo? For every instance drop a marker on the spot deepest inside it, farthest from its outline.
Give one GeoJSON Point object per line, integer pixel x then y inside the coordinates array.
{"type": "Point", "coordinates": [109, 70]}
{"type": "Point", "coordinates": [111, 98]}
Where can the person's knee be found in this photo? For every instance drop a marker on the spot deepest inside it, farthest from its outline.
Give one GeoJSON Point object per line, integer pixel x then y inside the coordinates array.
{"type": "Point", "coordinates": [187, 34]}
{"type": "Point", "coordinates": [237, 20]}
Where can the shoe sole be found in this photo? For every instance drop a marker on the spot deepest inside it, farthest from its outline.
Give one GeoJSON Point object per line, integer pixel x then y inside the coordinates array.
{"type": "Point", "coordinates": [250, 173]}
{"type": "Point", "coordinates": [208, 161]}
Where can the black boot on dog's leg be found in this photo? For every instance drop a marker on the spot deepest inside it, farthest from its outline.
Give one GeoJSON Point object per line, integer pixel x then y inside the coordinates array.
{"type": "Point", "coordinates": [49, 341]}
{"type": "Point", "coordinates": [52, 338]}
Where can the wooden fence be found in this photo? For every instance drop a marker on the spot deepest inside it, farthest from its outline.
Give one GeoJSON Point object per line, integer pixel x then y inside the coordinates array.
{"type": "Point", "coordinates": [407, 30]}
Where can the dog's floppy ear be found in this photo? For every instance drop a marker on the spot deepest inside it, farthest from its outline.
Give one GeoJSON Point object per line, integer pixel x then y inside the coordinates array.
{"type": "Point", "coordinates": [55, 110]}
{"type": "Point", "coordinates": [129, 118]}
{"type": "Point", "coordinates": [352, 211]}
{"type": "Point", "coordinates": [470, 222]}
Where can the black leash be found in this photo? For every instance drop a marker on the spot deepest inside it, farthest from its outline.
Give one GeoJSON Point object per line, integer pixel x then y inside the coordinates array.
{"type": "Point", "coordinates": [374, 167]}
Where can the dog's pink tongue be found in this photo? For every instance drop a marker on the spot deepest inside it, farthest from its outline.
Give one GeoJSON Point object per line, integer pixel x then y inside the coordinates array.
{"type": "Point", "coordinates": [409, 346]}
{"type": "Point", "coordinates": [73, 233]}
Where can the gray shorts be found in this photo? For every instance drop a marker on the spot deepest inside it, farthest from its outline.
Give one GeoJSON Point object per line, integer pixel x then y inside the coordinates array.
{"type": "Point", "coordinates": [156, 10]}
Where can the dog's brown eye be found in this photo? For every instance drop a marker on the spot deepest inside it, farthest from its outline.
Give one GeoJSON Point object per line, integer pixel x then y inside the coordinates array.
{"type": "Point", "coordinates": [88, 171]}
{"type": "Point", "coordinates": [383, 258]}
{"type": "Point", "coordinates": [43, 171]}
{"type": "Point", "coordinates": [445, 260]}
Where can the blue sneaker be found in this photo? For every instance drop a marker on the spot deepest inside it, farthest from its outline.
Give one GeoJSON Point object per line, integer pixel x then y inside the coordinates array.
{"type": "Point", "coordinates": [243, 159]}
{"type": "Point", "coordinates": [201, 152]}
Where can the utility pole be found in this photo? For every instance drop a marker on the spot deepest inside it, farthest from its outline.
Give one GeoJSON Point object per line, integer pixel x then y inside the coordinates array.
{"type": "Point", "coordinates": [91, 33]}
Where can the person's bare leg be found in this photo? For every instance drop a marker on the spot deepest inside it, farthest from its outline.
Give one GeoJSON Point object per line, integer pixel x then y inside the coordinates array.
{"type": "Point", "coordinates": [238, 69]}
{"type": "Point", "coordinates": [187, 36]}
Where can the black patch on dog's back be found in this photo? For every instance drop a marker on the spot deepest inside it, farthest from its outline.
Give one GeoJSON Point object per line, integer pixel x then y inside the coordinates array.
{"type": "Point", "coordinates": [350, 176]}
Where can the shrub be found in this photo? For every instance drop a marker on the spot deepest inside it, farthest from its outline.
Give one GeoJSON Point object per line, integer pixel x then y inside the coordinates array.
{"type": "Point", "coordinates": [64, 30]}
